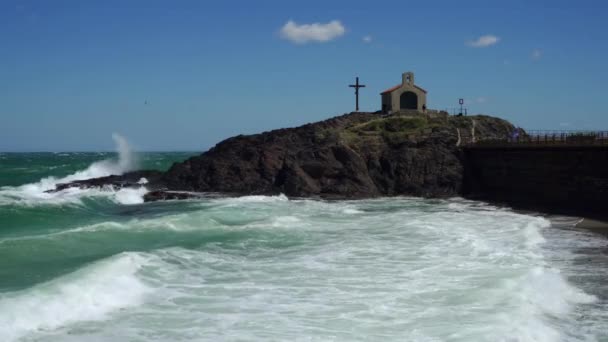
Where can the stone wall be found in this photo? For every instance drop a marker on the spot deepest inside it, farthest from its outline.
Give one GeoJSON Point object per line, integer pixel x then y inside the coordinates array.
{"type": "Point", "coordinates": [556, 179]}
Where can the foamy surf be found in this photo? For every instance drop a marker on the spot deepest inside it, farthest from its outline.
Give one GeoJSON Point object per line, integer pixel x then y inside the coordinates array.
{"type": "Point", "coordinates": [89, 294]}
{"type": "Point", "coordinates": [35, 193]}
{"type": "Point", "coordinates": [260, 268]}
{"type": "Point", "coordinates": [266, 268]}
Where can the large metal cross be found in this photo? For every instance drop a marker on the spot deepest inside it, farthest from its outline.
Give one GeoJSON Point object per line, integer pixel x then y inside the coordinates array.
{"type": "Point", "coordinates": [357, 86]}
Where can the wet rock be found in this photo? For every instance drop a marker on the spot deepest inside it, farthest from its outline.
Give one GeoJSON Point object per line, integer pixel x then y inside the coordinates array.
{"type": "Point", "coordinates": [164, 195]}
{"type": "Point", "coordinates": [135, 179]}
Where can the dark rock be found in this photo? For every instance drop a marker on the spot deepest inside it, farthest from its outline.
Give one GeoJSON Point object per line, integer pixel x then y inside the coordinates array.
{"type": "Point", "coordinates": [354, 155]}
{"type": "Point", "coordinates": [127, 180]}
{"type": "Point", "coordinates": [164, 195]}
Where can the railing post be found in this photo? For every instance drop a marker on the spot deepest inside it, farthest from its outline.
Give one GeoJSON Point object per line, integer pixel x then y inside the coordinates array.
{"type": "Point", "coordinates": [551, 137]}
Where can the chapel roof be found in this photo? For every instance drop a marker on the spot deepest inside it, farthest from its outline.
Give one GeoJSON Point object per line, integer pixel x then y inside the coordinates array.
{"type": "Point", "coordinates": [390, 90]}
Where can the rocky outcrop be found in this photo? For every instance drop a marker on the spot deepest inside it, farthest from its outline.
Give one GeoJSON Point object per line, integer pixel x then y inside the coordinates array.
{"type": "Point", "coordinates": [133, 179]}
{"type": "Point", "coordinates": [351, 156]}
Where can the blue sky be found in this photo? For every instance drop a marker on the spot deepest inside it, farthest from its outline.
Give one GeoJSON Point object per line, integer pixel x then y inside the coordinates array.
{"type": "Point", "coordinates": [183, 75]}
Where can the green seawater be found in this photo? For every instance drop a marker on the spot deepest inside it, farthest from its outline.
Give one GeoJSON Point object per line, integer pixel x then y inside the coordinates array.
{"type": "Point", "coordinates": [101, 265]}
{"type": "Point", "coordinates": [23, 218]}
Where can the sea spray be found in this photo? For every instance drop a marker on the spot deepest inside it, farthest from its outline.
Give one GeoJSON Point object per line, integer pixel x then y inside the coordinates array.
{"type": "Point", "coordinates": [126, 160]}
{"type": "Point", "coordinates": [35, 193]}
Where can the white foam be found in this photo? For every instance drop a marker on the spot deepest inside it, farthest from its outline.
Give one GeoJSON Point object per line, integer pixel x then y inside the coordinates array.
{"type": "Point", "coordinates": [549, 291]}
{"type": "Point", "coordinates": [285, 222]}
{"type": "Point", "coordinates": [260, 198]}
{"type": "Point", "coordinates": [89, 294]}
{"type": "Point", "coordinates": [34, 193]}
{"type": "Point", "coordinates": [352, 211]}
{"type": "Point", "coordinates": [395, 273]}
{"type": "Point", "coordinates": [538, 297]}
{"type": "Point", "coordinates": [130, 196]}
{"type": "Point", "coordinates": [532, 231]}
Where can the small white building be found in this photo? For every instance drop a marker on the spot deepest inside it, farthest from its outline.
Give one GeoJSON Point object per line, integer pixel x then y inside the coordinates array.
{"type": "Point", "coordinates": [405, 96]}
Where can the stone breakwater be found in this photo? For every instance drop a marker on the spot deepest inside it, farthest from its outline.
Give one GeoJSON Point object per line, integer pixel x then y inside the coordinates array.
{"type": "Point", "coordinates": [569, 180]}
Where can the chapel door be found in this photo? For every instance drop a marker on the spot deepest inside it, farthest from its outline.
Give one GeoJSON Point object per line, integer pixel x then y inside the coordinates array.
{"type": "Point", "coordinates": [408, 100]}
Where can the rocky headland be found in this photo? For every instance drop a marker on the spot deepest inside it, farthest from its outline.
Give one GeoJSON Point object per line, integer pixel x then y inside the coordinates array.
{"type": "Point", "coordinates": [355, 155]}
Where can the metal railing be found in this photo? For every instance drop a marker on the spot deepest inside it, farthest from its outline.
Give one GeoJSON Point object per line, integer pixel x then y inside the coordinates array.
{"type": "Point", "coordinates": [547, 138]}
{"type": "Point", "coordinates": [457, 111]}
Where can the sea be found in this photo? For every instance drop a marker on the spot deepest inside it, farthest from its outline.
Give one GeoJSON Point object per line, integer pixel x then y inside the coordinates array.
{"type": "Point", "coordinates": [101, 265]}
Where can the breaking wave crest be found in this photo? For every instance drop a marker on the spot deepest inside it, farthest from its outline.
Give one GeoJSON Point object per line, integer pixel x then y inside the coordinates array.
{"type": "Point", "coordinates": [34, 193]}
{"type": "Point", "coordinates": [87, 294]}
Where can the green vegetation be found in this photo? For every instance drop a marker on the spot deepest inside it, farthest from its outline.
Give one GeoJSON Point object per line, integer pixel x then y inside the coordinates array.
{"type": "Point", "coordinates": [392, 130]}
{"type": "Point", "coordinates": [391, 124]}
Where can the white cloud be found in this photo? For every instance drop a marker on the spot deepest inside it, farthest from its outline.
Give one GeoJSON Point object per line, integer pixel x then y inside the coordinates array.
{"type": "Point", "coordinates": [315, 32]}
{"type": "Point", "coordinates": [484, 41]}
{"type": "Point", "coordinates": [367, 39]}
{"type": "Point", "coordinates": [536, 54]}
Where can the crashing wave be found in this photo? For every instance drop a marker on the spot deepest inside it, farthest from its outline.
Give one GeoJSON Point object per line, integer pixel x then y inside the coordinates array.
{"type": "Point", "coordinates": [35, 193]}
{"type": "Point", "coordinates": [87, 294]}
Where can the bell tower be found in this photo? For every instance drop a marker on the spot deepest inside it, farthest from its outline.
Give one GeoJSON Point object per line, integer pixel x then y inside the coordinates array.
{"type": "Point", "coordinates": [407, 78]}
